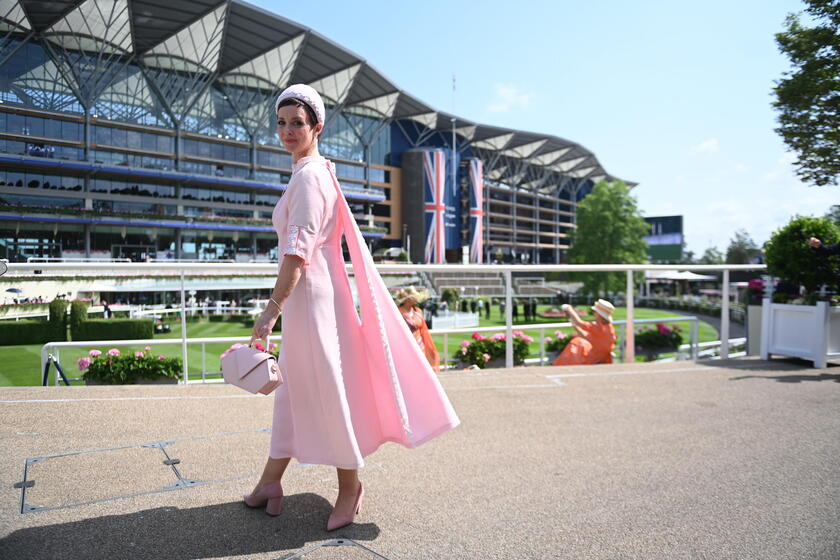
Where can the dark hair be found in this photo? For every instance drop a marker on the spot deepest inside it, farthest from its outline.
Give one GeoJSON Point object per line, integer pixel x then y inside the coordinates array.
{"type": "Point", "coordinates": [310, 114]}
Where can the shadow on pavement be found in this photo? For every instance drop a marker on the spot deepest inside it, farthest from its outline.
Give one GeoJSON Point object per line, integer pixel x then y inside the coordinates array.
{"type": "Point", "coordinates": [220, 530]}
{"type": "Point", "coordinates": [792, 378]}
{"type": "Point", "coordinates": [777, 364]}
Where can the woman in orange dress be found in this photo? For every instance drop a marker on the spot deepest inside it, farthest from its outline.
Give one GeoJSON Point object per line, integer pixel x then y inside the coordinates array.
{"type": "Point", "coordinates": [407, 300]}
{"type": "Point", "coordinates": [596, 339]}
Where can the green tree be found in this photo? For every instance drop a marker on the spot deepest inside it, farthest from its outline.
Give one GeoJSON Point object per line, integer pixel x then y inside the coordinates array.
{"type": "Point", "coordinates": [808, 96]}
{"type": "Point", "coordinates": [742, 249]}
{"type": "Point", "coordinates": [610, 230]}
{"type": "Point", "coordinates": [834, 214]}
{"type": "Point", "coordinates": [687, 256]}
{"type": "Point", "coordinates": [58, 319]}
{"type": "Point", "coordinates": [788, 256]}
{"type": "Point", "coordinates": [711, 255]}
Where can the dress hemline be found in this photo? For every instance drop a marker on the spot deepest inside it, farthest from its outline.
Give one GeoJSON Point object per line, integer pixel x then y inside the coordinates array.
{"type": "Point", "coordinates": [411, 445]}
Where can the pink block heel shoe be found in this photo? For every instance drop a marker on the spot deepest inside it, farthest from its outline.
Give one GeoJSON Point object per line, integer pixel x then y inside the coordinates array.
{"type": "Point", "coordinates": [339, 521]}
{"type": "Point", "coordinates": [270, 496]}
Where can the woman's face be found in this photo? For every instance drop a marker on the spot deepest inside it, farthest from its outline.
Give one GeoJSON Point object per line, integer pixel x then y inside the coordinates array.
{"type": "Point", "coordinates": [298, 135]}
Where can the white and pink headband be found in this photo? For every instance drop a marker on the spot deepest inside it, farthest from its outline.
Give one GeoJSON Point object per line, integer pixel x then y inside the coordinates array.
{"type": "Point", "coordinates": [306, 94]}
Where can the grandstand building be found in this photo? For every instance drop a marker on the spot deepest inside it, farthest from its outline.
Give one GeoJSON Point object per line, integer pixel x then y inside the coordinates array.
{"type": "Point", "coordinates": [144, 130]}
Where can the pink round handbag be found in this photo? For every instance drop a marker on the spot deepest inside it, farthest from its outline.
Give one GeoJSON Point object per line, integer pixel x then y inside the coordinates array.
{"type": "Point", "coordinates": [251, 369]}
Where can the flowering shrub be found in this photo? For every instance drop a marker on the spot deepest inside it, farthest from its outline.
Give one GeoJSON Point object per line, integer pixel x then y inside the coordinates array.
{"type": "Point", "coordinates": [479, 350]}
{"type": "Point", "coordinates": [116, 368]}
{"type": "Point", "coordinates": [653, 340]}
{"type": "Point", "coordinates": [755, 291]}
{"type": "Point", "coordinates": [558, 342]}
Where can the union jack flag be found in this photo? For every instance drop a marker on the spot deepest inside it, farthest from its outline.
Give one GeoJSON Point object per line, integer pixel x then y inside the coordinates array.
{"type": "Point", "coordinates": [477, 211]}
{"type": "Point", "coordinates": [435, 175]}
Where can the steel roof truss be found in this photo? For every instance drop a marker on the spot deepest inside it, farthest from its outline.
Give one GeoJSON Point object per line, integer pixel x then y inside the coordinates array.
{"type": "Point", "coordinates": [270, 70]}
{"type": "Point", "coordinates": [336, 86]}
{"type": "Point", "coordinates": [525, 150]}
{"type": "Point", "coordinates": [92, 59]}
{"type": "Point", "coordinates": [12, 17]}
{"type": "Point", "coordinates": [194, 48]}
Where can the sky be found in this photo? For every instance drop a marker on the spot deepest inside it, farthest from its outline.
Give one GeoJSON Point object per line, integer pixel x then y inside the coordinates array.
{"type": "Point", "coordinates": [675, 96]}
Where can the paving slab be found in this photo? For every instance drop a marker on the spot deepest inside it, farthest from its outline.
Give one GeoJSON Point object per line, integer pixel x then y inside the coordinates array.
{"type": "Point", "coordinates": [717, 459]}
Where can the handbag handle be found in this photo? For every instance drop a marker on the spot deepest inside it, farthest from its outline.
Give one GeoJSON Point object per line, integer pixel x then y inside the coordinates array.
{"type": "Point", "coordinates": [267, 343]}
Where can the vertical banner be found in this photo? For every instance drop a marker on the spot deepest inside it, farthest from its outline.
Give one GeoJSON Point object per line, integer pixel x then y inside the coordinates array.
{"type": "Point", "coordinates": [434, 165]}
{"type": "Point", "coordinates": [452, 201]}
{"type": "Point", "coordinates": [476, 211]}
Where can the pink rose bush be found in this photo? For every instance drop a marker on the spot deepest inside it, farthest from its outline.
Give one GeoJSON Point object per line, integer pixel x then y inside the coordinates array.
{"type": "Point", "coordinates": [479, 350]}
{"type": "Point", "coordinates": [113, 367]}
{"type": "Point", "coordinates": [651, 341]}
{"type": "Point", "coordinates": [558, 343]}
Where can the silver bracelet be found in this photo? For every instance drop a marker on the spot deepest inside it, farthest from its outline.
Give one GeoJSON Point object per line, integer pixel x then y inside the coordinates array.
{"type": "Point", "coordinates": [275, 303]}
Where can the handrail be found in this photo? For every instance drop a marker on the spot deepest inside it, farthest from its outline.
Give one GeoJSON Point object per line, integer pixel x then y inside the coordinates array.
{"type": "Point", "coordinates": [97, 269]}
{"type": "Point", "coordinates": [51, 348]}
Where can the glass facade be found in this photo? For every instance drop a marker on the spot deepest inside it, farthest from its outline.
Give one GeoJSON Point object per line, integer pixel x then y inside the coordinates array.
{"type": "Point", "coordinates": [107, 115]}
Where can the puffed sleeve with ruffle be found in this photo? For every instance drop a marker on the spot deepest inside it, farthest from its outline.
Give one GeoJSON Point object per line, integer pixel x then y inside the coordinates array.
{"type": "Point", "coordinates": [307, 209]}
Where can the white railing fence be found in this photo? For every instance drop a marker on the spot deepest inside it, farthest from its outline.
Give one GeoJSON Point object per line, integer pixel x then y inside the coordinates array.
{"type": "Point", "coordinates": [52, 350]}
{"type": "Point", "coordinates": [233, 269]}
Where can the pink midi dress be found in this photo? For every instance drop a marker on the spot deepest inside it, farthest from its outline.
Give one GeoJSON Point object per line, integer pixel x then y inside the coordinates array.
{"type": "Point", "coordinates": [345, 393]}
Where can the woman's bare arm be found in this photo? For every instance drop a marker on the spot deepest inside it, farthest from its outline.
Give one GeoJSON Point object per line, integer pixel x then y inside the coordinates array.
{"type": "Point", "coordinates": [291, 269]}
{"type": "Point", "coordinates": [574, 318]}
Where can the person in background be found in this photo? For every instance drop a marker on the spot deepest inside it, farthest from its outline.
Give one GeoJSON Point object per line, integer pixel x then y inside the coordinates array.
{"type": "Point", "coordinates": [408, 300]}
{"type": "Point", "coordinates": [815, 243]}
{"type": "Point", "coordinates": [825, 251]}
{"type": "Point", "coordinates": [595, 341]}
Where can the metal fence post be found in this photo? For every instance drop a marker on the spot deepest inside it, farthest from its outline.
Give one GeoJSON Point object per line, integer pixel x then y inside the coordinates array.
{"type": "Point", "coordinates": [184, 329]}
{"type": "Point", "coordinates": [203, 362]}
{"type": "Point", "coordinates": [694, 338]}
{"type": "Point", "coordinates": [629, 338]}
{"type": "Point", "coordinates": [445, 350]}
{"type": "Point", "coordinates": [542, 346]}
{"type": "Point", "coordinates": [44, 353]}
{"type": "Point", "coordinates": [724, 317]}
{"type": "Point", "coordinates": [508, 320]}
{"type": "Point", "coordinates": [57, 356]}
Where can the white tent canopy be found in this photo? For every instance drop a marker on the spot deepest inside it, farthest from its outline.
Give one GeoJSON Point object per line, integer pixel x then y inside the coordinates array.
{"type": "Point", "coordinates": [654, 275]}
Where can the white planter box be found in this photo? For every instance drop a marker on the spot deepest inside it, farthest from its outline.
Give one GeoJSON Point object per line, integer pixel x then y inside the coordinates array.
{"type": "Point", "coordinates": [810, 332]}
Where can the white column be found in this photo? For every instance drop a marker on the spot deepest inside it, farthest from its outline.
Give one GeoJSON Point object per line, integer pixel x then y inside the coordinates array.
{"type": "Point", "coordinates": [508, 320]}
{"type": "Point", "coordinates": [183, 328]}
{"type": "Point", "coordinates": [629, 332]}
{"type": "Point", "coordinates": [724, 317]}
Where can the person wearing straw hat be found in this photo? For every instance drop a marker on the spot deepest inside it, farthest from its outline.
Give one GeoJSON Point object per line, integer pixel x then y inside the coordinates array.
{"type": "Point", "coordinates": [408, 300]}
{"type": "Point", "coordinates": [596, 339]}
{"type": "Point", "coordinates": [352, 381]}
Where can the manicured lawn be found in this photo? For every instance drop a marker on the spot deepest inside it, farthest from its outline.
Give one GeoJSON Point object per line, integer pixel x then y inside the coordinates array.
{"type": "Point", "coordinates": [21, 365]}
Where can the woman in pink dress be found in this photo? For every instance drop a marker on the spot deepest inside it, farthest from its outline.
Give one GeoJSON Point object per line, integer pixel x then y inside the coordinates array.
{"type": "Point", "coordinates": [352, 381]}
